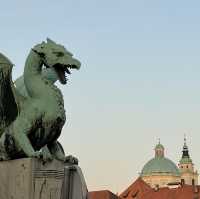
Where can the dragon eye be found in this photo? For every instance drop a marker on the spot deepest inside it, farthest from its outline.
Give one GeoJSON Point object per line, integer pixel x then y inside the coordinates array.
{"type": "Point", "coordinates": [59, 54]}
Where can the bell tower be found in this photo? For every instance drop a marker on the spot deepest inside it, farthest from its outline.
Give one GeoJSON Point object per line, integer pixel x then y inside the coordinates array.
{"type": "Point", "coordinates": [186, 167]}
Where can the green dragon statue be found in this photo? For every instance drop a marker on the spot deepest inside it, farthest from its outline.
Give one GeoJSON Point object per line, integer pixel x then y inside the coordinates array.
{"type": "Point", "coordinates": [32, 111]}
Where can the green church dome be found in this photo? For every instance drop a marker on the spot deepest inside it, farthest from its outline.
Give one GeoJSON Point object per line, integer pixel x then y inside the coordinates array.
{"type": "Point", "coordinates": [160, 165]}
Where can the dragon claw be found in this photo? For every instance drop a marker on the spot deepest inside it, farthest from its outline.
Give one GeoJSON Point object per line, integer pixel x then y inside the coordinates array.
{"type": "Point", "coordinates": [37, 154]}
{"type": "Point", "coordinates": [43, 156]}
{"type": "Point", "coordinates": [71, 160]}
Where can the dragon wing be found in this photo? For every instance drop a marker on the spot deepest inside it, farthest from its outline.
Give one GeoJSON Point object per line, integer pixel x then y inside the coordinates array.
{"type": "Point", "coordinates": [8, 100]}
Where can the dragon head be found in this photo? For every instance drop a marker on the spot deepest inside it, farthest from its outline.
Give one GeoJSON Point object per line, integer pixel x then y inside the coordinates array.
{"type": "Point", "coordinates": [56, 57]}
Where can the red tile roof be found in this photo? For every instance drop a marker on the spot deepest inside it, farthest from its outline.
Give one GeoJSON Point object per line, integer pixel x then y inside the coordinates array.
{"type": "Point", "coordinates": [104, 194]}
{"type": "Point", "coordinates": [137, 189]}
{"type": "Point", "coordinates": [140, 190]}
{"type": "Point", "coordinates": [184, 192]}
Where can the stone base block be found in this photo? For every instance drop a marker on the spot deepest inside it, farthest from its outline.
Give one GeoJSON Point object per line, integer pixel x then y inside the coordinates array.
{"type": "Point", "coordinates": [31, 179]}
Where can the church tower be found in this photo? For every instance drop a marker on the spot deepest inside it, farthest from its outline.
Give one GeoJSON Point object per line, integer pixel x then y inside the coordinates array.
{"type": "Point", "coordinates": [186, 167]}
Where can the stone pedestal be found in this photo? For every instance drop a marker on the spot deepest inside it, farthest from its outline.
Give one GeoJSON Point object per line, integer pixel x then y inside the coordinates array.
{"type": "Point", "coordinates": [31, 179]}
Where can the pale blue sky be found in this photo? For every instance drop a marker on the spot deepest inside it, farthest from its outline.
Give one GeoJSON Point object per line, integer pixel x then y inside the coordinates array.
{"type": "Point", "coordinates": [139, 81]}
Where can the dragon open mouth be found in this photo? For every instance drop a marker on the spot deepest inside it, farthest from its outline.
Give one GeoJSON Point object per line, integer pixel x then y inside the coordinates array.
{"type": "Point", "coordinates": [62, 70]}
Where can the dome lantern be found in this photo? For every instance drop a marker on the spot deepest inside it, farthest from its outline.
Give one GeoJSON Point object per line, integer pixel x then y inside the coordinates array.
{"type": "Point", "coordinates": [159, 150]}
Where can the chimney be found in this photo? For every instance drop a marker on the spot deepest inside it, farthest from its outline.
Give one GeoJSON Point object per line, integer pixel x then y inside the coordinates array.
{"type": "Point", "coordinates": [156, 188]}
{"type": "Point", "coordinates": [196, 189]}
{"type": "Point", "coordinates": [182, 182]}
{"type": "Point", "coordinates": [193, 182]}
